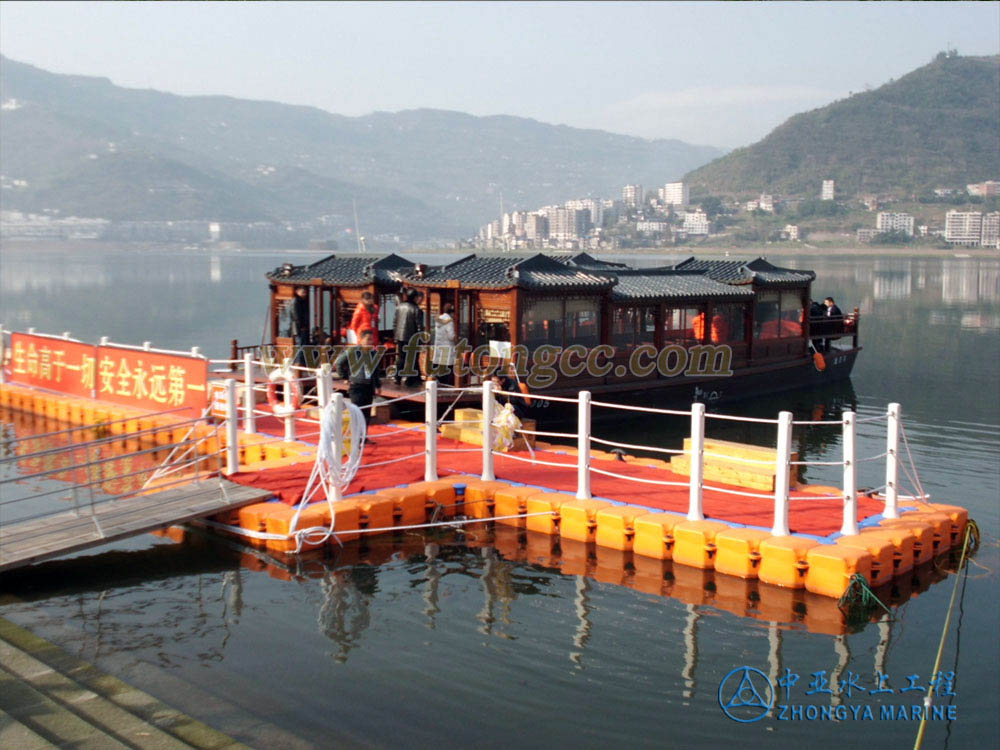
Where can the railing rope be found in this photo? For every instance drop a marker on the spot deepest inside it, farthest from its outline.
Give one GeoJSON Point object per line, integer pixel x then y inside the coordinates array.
{"type": "Point", "coordinates": [782, 467]}
{"type": "Point", "coordinates": [695, 495]}
{"type": "Point", "coordinates": [488, 473]}
{"type": "Point", "coordinates": [892, 463]}
{"type": "Point", "coordinates": [850, 525]}
{"type": "Point", "coordinates": [249, 397]}
{"type": "Point", "coordinates": [583, 446]}
{"type": "Point", "coordinates": [430, 429]}
{"type": "Point", "coordinates": [232, 424]}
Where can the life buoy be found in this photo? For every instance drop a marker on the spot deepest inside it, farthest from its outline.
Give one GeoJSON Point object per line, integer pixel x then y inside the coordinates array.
{"type": "Point", "coordinates": [819, 361]}
{"type": "Point", "coordinates": [278, 405]}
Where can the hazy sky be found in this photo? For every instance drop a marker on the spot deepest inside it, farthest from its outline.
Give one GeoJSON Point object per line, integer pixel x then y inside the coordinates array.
{"type": "Point", "coordinates": [717, 73]}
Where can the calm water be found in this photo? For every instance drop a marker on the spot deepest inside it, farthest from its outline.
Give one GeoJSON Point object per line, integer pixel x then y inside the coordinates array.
{"type": "Point", "coordinates": [469, 642]}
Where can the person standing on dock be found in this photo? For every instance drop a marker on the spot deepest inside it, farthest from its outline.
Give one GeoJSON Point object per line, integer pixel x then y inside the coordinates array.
{"type": "Point", "coordinates": [836, 319]}
{"type": "Point", "coordinates": [358, 365]}
{"type": "Point", "coordinates": [365, 316]}
{"type": "Point", "coordinates": [300, 322]}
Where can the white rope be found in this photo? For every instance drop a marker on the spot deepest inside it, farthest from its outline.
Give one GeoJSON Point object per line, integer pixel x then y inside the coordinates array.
{"type": "Point", "coordinates": [638, 479]}
{"type": "Point", "coordinates": [330, 473]}
{"type": "Point", "coordinates": [636, 447]}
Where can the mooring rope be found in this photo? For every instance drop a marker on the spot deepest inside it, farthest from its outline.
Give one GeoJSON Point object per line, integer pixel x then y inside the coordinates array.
{"type": "Point", "coordinates": [971, 533]}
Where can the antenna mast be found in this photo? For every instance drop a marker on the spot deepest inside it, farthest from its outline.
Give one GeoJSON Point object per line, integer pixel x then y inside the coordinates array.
{"type": "Point", "coordinates": [357, 232]}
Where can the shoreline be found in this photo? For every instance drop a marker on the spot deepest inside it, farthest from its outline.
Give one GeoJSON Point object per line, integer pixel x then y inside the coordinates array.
{"type": "Point", "coordinates": [800, 249]}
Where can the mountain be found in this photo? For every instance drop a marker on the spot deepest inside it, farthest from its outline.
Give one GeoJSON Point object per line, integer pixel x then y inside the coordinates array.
{"type": "Point", "coordinates": [88, 147]}
{"type": "Point", "coordinates": [936, 126]}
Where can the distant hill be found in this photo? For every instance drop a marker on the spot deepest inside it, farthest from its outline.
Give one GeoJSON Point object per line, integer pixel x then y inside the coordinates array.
{"type": "Point", "coordinates": [936, 126]}
{"type": "Point", "coordinates": [88, 147]}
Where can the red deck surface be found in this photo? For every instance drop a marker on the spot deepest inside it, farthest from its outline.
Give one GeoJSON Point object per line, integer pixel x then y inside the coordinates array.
{"type": "Point", "coordinates": [807, 515]}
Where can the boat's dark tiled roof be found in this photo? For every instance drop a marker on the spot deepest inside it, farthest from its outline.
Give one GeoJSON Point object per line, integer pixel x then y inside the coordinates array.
{"type": "Point", "coordinates": [649, 285]}
{"type": "Point", "coordinates": [757, 271]}
{"type": "Point", "coordinates": [589, 262]}
{"type": "Point", "coordinates": [508, 270]}
{"type": "Point", "coordinates": [347, 270]}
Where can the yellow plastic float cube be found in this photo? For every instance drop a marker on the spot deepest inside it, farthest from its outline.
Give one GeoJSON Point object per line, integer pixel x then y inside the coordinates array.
{"type": "Point", "coordinates": [882, 551]}
{"type": "Point", "coordinates": [616, 526]}
{"type": "Point", "coordinates": [694, 543]}
{"type": "Point", "coordinates": [578, 519]}
{"type": "Point", "coordinates": [831, 567]}
{"type": "Point", "coordinates": [737, 551]}
{"type": "Point", "coordinates": [783, 561]}
{"type": "Point", "coordinates": [654, 535]}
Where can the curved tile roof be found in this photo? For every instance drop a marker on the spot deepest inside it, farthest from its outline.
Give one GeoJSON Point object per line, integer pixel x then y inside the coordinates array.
{"type": "Point", "coordinates": [352, 269]}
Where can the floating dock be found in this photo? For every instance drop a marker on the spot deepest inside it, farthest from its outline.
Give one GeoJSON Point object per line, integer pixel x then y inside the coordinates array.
{"type": "Point", "coordinates": [730, 508]}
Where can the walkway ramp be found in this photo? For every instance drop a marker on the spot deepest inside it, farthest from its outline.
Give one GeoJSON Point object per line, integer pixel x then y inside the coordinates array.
{"type": "Point", "coordinates": [54, 535]}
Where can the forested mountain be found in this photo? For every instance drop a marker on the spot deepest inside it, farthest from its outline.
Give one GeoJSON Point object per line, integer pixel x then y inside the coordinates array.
{"type": "Point", "coordinates": [87, 147]}
{"type": "Point", "coordinates": [936, 126]}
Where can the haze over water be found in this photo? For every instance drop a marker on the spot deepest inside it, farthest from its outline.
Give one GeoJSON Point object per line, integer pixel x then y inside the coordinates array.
{"type": "Point", "coordinates": [464, 647]}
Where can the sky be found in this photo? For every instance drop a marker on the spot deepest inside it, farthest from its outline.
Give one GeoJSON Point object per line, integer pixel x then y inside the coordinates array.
{"type": "Point", "coordinates": [720, 74]}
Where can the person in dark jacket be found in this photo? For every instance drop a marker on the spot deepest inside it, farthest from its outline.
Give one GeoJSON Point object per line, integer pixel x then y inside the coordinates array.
{"type": "Point", "coordinates": [835, 320]}
{"type": "Point", "coordinates": [358, 365]}
{"type": "Point", "coordinates": [407, 322]}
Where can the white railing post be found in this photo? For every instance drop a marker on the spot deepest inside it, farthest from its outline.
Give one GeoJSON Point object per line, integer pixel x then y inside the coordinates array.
{"type": "Point", "coordinates": [249, 396]}
{"type": "Point", "coordinates": [488, 474]}
{"type": "Point", "coordinates": [850, 525]}
{"type": "Point", "coordinates": [583, 446]}
{"type": "Point", "coordinates": [232, 422]}
{"type": "Point", "coordinates": [324, 385]}
{"type": "Point", "coordinates": [287, 400]}
{"type": "Point", "coordinates": [338, 438]}
{"type": "Point", "coordinates": [695, 509]}
{"type": "Point", "coordinates": [782, 467]}
{"type": "Point", "coordinates": [430, 430]}
{"type": "Point", "coordinates": [891, 509]}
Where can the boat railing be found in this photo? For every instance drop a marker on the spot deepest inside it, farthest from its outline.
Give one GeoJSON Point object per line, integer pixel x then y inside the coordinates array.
{"type": "Point", "coordinates": [587, 443]}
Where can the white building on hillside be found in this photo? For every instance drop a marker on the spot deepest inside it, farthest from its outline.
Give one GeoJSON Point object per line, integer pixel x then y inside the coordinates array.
{"type": "Point", "coordinates": [829, 190]}
{"type": "Point", "coordinates": [674, 194]}
{"type": "Point", "coordinates": [696, 222]}
{"type": "Point", "coordinates": [887, 221]}
{"type": "Point", "coordinates": [963, 227]}
{"type": "Point", "coordinates": [632, 196]}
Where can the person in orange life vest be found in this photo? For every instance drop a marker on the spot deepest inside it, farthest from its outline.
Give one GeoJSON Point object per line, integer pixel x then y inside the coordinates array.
{"type": "Point", "coordinates": [698, 326]}
{"type": "Point", "coordinates": [365, 316]}
{"type": "Point", "coordinates": [720, 330]}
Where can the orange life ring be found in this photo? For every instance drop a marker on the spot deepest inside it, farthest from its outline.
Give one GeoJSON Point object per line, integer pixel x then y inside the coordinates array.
{"type": "Point", "coordinates": [278, 405]}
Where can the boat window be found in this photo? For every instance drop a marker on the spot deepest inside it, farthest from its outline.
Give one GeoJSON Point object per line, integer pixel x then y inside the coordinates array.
{"type": "Point", "coordinates": [623, 322]}
{"type": "Point", "coordinates": [542, 322]}
{"type": "Point", "coordinates": [728, 323]}
{"type": "Point", "coordinates": [386, 311]}
{"type": "Point", "coordinates": [285, 317]}
{"type": "Point", "coordinates": [647, 328]}
{"type": "Point", "coordinates": [767, 316]}
{"type": "Point", "coordinates": [791, 313]}
{"type": "Point", "coordinates": [583, 322]}
{"type": "Point", "coordinates": [682, 324]}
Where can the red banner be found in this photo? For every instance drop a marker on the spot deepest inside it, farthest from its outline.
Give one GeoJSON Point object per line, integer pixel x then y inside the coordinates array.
{"type": "Point", "coordinates": [153, 381]}
{"type": "Point", "coordinates": [53, 363]}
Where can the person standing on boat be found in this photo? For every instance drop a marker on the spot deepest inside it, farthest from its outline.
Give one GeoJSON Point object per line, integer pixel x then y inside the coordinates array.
{"type": "Point", "coordinates": [365, 316]}
{"type": "Point", "coordinates": [444, 345]}
{"type": "Point", "coordinates": [836, 319]}
{"type": "Point", "coordinates": [407, 323]}
{"type": "Point", "coordinates": [300, 323]}
{"type": "Point", "coordinates": [359, 368]}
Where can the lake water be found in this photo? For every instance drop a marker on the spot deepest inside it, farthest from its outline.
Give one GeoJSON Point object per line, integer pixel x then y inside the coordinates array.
{"type": "Point", "coordinates": [472, 642]}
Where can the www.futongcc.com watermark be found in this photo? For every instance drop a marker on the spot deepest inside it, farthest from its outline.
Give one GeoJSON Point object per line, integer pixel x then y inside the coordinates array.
{"type": "Point", "coordinates": [538, 367]}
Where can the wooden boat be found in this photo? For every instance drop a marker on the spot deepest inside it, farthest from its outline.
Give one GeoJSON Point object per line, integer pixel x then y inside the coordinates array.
{"type": "Point", "coordinates": [741, 327]}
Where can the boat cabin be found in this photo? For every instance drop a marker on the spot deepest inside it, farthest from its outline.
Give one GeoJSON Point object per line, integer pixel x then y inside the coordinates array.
{"type": "Point", "coordinates": [760, 311]}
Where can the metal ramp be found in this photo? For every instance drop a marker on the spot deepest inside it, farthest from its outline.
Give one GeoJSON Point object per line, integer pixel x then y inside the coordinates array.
{"type": "Point", "coordinates": [35, 540]}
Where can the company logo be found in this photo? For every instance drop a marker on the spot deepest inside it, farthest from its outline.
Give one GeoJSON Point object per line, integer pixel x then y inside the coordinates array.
{"type": "Point", "coordinates": [746, 695]}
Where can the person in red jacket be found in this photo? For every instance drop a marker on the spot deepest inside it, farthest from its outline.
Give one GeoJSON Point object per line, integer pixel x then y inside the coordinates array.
{"type": "Point", "coordinates": [365, 317]}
